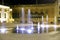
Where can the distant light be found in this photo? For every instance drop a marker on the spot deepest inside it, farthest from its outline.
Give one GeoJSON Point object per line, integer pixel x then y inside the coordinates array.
{"type": "Point", "coordinates": [10, 9]}
{"type": "Point", "coordinates": [29, 31]}
{"type": "Point", "coordinates": [32, 27]}
{"type": "Point", "coordinates": [42, 25]}
{"type": "Point", "coordinates": [22, 29]}
{"type": "Point", "coordinates": [3, 30]}
{"type": "Point", "coordinates": [47, 25]}
{"type": "Point", "coordinates": [17, 27]}
{"type": "Point", "coordinates": [3, 19]}
{"type": "Point", "coordinates": [38, 25]}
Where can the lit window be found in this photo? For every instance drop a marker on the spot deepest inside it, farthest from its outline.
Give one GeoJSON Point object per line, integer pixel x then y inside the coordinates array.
{"type": "Point", "coordinates": [0, 15]}
{"type": "Point", "coordinates": [4, 15]}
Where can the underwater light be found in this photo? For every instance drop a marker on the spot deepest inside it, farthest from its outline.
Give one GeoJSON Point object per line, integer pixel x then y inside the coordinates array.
{"type": "Point", "coordinates": [29, 31]}
{"type": "Point", "coordinates": [3, 30]}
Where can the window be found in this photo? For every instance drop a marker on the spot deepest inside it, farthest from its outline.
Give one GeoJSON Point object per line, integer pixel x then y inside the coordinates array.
{"type": "Point", "coordinates": [0, 15]}
{"type": "Point", "coordinates": [4, 15]}
{"type": "Point", "coordinates": [6, 10]}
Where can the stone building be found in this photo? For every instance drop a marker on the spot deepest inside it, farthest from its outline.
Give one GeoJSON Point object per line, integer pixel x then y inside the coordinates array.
{"type": "Point", "coordinates": [37, 11]}
{"type": "Point", "coordinates": [5, 14]}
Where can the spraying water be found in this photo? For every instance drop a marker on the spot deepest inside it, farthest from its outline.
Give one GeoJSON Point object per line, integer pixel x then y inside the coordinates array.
{"type": "Point", "coordinates": [17, 29]}
{"type": "Point", "coordinates": [23, 15]}
{"type": "Point", "coordinates": [42, 25]}
{"type": "Point", "coordinates": [38, 27]}
{"type": "Point", "coordinates": [55, 26]}
{"type": "Point", "coordinates": [29, 16]}
{"type": "Point", "coordinates": [47, 24]}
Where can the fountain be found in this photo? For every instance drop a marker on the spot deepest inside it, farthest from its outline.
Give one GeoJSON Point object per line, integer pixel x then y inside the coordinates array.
{"type": "Point", "coordinates": [23, 21]}
{"type": "Point", "coordinates": [55, 26]}
{"type": "Point", "coordinates": [38, 27]}
{"type": "Point", "coordinates": [29, 24]}
{"type": "Point", "coordinates": [29, 16]}
{"type": "Point", "coordinates": [42, 25]}
{"type": "Point", "coordinates": [47, 26]}
{"type": "Point", "coordinates": [17, 29]}
{"type": "Point", "coordinates": [23, 15]}
{"type": "Point", "coordinates": [3, 29]}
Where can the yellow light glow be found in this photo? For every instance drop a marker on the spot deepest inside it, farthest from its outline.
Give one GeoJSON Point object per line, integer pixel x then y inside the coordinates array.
{"type": "Point", "coordinates": [1, 6]}
{"type": "Point", "coordinates": [10, 9]}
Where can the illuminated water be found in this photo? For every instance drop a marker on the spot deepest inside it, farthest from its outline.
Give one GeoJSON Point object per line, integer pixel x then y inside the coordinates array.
{"type": "Point", "coordinates": [23, 13]}
{"type": "Point", "coordinates": [47, 25]}
{"type": "Point", "coordinates": [38, 26]}
{"type": "Point", "coordinates": [42, 25]}
{"type": "Point", "coordinates": [55, 25]}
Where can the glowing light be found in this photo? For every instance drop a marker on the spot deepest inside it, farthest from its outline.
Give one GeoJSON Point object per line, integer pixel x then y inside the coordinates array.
{"type": "Point", "coordinates": [38, 27]}
{"type": "Point", "coordinates": [3, 30]}
{"type": "Point", "coordinates": [47, 26]}
{"type": "Point", "coordinates": [42, 25]}
{"type": "Point", "coordinates": [29, 16]}
{"type": "Point", "coordinates": [23, 15]}
{"type": "Point", "coordinates": [22, 29]}
{"type": "Point", "coordinates": [17, 28]}
{"type": "Point", "coordinates": [10, 9]}
{"type": "Point", "coordinates": [1, 6]}
{"type": "Point", "coordinates": [29, 31]}
{"type": "Point", "coordinates": [32, 27]}
{"type": "Point", "coordinates": [55, 26]}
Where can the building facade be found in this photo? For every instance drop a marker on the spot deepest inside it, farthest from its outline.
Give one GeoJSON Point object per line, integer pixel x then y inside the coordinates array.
{"type": "Point", "coordinates": [37, 11]}
{"type": "Point", "coordinates": [5, 14]}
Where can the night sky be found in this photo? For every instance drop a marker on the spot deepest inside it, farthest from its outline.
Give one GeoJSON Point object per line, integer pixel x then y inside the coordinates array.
{"type": "Point", "coordinates": [24, 2]}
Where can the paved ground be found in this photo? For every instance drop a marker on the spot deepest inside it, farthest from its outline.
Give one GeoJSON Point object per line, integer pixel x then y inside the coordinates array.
{"type": "Point", "coordinates": [43, 36]}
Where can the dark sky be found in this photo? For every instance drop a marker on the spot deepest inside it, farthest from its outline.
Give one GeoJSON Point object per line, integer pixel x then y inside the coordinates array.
{"type": "Point", "coordinates": [24, 2]}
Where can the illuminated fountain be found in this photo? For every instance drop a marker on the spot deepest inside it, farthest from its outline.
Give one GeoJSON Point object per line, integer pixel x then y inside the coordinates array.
{"type": "Point", "coordinates": [29, 16]}
{"type": "Point", "coordinates": [23, 16]}
{"type": "Point", "coordinates": [38, 27]}
{"type": "Point", "coordinates": [3, 29]}
{"type": "Point", "coordinates": [17, 28]}
{"type": "Point", "coordinates": [55, 26]}
{"type": "Point", "coordinates": [29, 24]}
{"type": "Point", "coordinates": [47, 25]}
{"type": "Point", "coordinates": [42, 25]}
{"type": "Point", "coordinates": [28, 27]}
